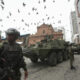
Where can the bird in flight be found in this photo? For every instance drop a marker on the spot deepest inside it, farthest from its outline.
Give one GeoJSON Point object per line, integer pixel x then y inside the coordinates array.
{"type": "Point", "coordinates": [24, 4]}
{"type": "Point", "coordinates": [44, 0]}
{"type": "Point", "coordinates": [2, 2]}
{"type": "Point", "coordinates": [18, 11]}
{"type": "Point", "coordinates": [2, 7]}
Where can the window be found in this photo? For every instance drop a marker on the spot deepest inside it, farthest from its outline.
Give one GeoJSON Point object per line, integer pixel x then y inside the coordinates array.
{"type": "Point", "coordinates": [43, 31]}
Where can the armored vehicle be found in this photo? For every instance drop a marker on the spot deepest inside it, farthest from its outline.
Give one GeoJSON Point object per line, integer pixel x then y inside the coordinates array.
{"type": "Point", "coordinates": [52, 51]}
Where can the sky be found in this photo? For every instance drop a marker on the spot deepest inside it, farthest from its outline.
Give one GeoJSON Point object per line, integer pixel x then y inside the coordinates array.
{"type": "Point", "coordinates": [27, 15]}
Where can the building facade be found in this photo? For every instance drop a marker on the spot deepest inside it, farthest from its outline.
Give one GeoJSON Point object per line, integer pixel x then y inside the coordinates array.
{"type": "Point", "coordinates": [77, 8]}
{"type": "Point", "coordinates": [74, 26]}
{"type": "Point", "coordinates": [42, 31]}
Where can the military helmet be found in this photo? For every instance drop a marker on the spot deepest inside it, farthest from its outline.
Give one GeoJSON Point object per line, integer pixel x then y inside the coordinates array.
{"type": "Point", "coordinates": [13, 31]}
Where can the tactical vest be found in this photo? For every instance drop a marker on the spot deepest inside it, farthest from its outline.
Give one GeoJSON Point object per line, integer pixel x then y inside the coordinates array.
{"type": "Point", "coordinates": [11, 54]}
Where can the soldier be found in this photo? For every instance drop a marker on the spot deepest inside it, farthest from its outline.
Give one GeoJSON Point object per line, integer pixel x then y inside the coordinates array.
{"type": "Point", "coordinates": [12, 57]}
{"type": "Point", "coordinates": [71, 56]}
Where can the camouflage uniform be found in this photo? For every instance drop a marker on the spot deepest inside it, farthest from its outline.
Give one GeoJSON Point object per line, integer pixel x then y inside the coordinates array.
{"type": "Point", "coordinates": [71, 52]}
{"type": "Point", "coordinates": [13, 59]}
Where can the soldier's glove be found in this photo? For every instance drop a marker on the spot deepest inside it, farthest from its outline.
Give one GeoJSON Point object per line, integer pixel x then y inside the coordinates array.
{"type": "Point", "coordinates": [26, 75]}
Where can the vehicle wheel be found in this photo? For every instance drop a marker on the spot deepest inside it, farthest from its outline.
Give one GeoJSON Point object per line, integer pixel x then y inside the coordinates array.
{"type": "Point", "coordinates": [34, 60]}
{"type": "Point", "coordinates": [52, 59]}
{"type": "Point", "coordinates": [60, 57]}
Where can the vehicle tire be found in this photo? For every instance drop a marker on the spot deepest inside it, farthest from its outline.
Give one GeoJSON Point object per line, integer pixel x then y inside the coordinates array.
{"type": "Point", "coordinates": [34, 60]}
{"type": "Point", "coordinates": [52, 59]}
{"type": "Point", "coordinates": [60, 57]}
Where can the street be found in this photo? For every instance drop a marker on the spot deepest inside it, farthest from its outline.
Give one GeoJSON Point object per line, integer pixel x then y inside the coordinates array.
{"type": "Point", "coordinates": [41, 71]}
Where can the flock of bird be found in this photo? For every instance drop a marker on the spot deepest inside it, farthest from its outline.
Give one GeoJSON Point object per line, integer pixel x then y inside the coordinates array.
{"type": "Point", "coordinates": [2, 5]}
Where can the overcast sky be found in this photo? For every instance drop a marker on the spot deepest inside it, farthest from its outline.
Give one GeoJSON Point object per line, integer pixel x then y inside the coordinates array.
{"type": "Point", "coordinates": [25, 19]}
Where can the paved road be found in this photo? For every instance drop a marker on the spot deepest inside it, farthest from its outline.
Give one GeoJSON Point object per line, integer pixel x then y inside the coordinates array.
{"type": "Point", "coordinates": [41, 71]}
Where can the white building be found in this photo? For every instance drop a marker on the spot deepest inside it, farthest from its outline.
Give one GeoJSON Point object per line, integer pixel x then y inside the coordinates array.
{"type": "Point", "coordinates": [74, 26]}
{"type": "Point", "coordinates": [77, 8]}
